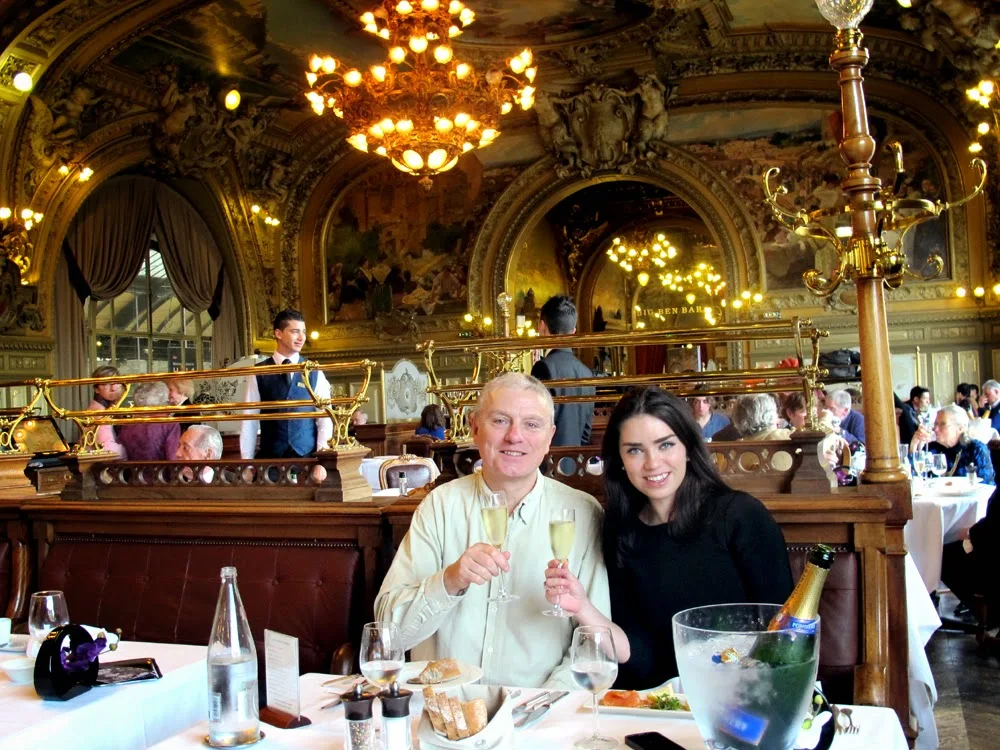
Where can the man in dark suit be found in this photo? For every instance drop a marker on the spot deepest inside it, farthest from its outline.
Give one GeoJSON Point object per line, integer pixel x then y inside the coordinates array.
{"type": "Point", "coordinates": [909, 420]}
{"type": "Point", "coordinates": [969, 565]}
{"type": "Point", "coordinates": [573, 421]}
{"type": "Point", "coordinates": [291, 438]}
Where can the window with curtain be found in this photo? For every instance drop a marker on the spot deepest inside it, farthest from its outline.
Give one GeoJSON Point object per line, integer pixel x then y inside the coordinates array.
{"type": "Point", "coordinates": [145, 328]}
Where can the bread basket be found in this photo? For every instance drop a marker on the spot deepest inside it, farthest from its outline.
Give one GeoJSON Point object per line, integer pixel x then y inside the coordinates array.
{"type": "Point", "coordinates": [498, 732]}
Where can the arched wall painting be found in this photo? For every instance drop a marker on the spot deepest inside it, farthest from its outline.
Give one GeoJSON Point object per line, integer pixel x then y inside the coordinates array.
{"type": "Point", "coordinates": [741, 144]}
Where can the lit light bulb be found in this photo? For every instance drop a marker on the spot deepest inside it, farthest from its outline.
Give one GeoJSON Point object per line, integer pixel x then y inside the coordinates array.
{"type": "Point", "coordinates": [418, 44]}
{"type": "Point", "coordinates": [467, 16]}
{"type": "Point", "coordinates": [961, 292]}
{"type": "Point", "coordinates": [487, 321]}
{"type": "Point", "coordinates": [745, 295]}
{"type": "Point", "coordinates": [232, 100]}
{"type": "Point", "coordinates": [983, 128]}
{"type": "Point", "coordinates": [27, 213]}
{"type": "Point", "coordinates": [737, 304]}
{"type": "Point", "coordinates": [367, 18]}
{"type": "Point", "coordinates": [64, 170]}
{"type": "Point", "coordinates": [467, 146]}
{"type": "Point", "coordinates": [468, 317]}
{"type": "Point", "coordinates": [352, 77]}
{"type": "Point", "coordinates": [378, 73]}
{"type": "Point", "coordinates": [758, 297]}
{"type": "Point", "coordinates": [397, 54]}
{"type": "Point", "coordinates": [530, 73]}
{"type": "Point", "coordinates": [329, 64]}
{"type": "Point", "coordinates": [442, 54]}
{"type": "Point", "coordinates": [690, 298]}
{"type": "Point", "coordinates": [429, 5]}
{"type": "Point", "coordinates": [384, 34]}
{"type": "Point", "coordinates": [455, 7]}
{"type": "Point", "coordinates": [371, 28]}
{"type": "Point", "coordinates": [996, 289]}
{"type": "Point", "coordinates": [311, 78]}
{"type": "Point", "coordinates": [404, 126]}
{"type": "Point", "coordinates": [314, 335]}
{"type": "Point", "coordinates": [404, 8]}
{"type": "Point", "coordinates": [443, 125]}
{"type": "Point", "coordinates": [454, 31]}
{"type": "Point", "coordinates": [506, 107]}
{"type": "Point", "coordinates": [517, 64]}
{"type": "Point", "coordinates": [986, 87]}
{"type": "Point", "coordinates": [975, 147]}
{"type": "Point", "coordinates": [5, 213]}
{"type": "Point", "coordinates": [979, 292]}
{"type": "Point", "coordinates": [437, 158]}
{"type": "Point", "coordinates": [255, 209]}
{"type": "Point", "coordinates": [412, 159]}
{"type": "Point", "coordinates": [359, 141]}
{"type": "Point", "coordinates": [462, 71]}
{"type": "Point", "coordinates": [387, 125]}
{"type": "Point", "coordinates": [461, 119]}
{"type": "Point", "coordinates": [642, 278]}
{"type": "Point", "coordinates": [315, 63]}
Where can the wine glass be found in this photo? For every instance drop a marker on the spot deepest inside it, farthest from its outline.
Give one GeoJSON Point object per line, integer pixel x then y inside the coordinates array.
{"type": "Point", "coordinates": [939, 464]}
{"type": "Point", "coordinates": [918, 464]}
{"type": "Point", "coordinates": [46, 612]}
{"type": "Point", "coordinates": [562, 532]}
{"type": "Point", "coordinates": [595, 666]}
{"type": "Point", "coordinates": [495, 517]}
{"type": "Point", "coordinates": [381, 654]}
{"type": "Point", "coordinates": [904, 457]}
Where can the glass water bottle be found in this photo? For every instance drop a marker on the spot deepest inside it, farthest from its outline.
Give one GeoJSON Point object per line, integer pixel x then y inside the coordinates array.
{"type": "Point", "coordinates": [233, 715]}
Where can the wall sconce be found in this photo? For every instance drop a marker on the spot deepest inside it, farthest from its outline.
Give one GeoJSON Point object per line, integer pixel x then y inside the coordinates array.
{"type": "Point", "coordinates": [84, 175]}
{"type": "Point", "coordinates": [978, 294]}
{"type": "Point", "coordinates": [476, 325]}
{"type": "Point", "coordinates": [264, 214]}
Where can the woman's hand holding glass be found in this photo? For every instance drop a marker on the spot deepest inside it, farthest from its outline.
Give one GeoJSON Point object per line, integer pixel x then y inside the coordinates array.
{"type": "Point", "coordinates": [562, 534]}
{"type": "Point", "coordinates": [564, 589]}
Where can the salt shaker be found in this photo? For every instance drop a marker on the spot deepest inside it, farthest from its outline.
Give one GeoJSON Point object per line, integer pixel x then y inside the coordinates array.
{"type": "Point", "coordinates": [396, 718]}
{"type": "Point", "coordinates": [360, 724]}
{"type": "Point", "coordinates": [402, 484]}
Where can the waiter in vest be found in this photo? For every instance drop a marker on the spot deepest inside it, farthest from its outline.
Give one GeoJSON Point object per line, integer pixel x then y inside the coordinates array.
{"type": "Point", "coordinates": [285, 438]}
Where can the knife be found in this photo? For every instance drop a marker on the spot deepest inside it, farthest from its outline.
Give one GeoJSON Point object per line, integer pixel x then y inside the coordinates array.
{"type": "Point", "coordinates": [540, 710]}
{"type": "Point", "coordinates": [531, 703]}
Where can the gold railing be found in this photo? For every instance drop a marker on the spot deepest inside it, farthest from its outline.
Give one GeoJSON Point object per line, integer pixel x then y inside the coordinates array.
{"type": "Point", "coordinates": [506, 354]}
{"type": "Point", "coordinates": [338, 408]}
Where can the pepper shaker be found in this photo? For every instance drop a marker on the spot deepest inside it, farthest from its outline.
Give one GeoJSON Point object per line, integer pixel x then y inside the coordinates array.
{"type": "Point", "coordinates": [396, 718]}
{"type": "Point", "coordinates": [360, 724]}
{"type": "Point", "coordinates": [403, 489]}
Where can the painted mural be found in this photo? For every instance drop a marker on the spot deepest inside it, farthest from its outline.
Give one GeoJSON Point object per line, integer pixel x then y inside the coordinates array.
{"type": "Point", "coordinates": [550, 21]}
{"type": "Point", "coordinates": [801, 141]}
{"type": "Point", "coordinates": [378, 262]}
{"type": "Point", "coordinates": [535, 271]}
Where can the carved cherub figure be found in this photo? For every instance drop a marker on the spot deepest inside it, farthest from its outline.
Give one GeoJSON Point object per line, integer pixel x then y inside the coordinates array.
{"type": "Point", "coordinates": [653, 118]}
{"type": "Point", "coordinates": [243, 130]}
{"type": "Point", "coordinates": [276, 181]}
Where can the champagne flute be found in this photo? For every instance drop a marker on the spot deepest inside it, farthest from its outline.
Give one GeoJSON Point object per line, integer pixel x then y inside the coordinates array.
{"type": "Point", "coordinates": [562, 532]}
{"type": "Point", "coordinates": [595, 667]}
{"type": "Point", "coordinates": [381, 654]}
{"type": "Point", "coordinates": [495, 517]}
{"type": "Point", "coordinates": [918, 464]}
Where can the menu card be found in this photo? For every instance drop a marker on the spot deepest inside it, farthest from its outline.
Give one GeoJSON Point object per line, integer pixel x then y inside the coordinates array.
{"type": "Point", "coordinates": [281, 658]}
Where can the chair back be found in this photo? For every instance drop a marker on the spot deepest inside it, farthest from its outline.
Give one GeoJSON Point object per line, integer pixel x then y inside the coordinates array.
{"type": "Point", "coordinates": [419, 471]}
{"type": "Point", "coordinates": [418, 445]}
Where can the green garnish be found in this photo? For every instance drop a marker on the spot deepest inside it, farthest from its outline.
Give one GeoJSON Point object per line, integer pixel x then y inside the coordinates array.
{"type": "Point", "coordinates": [665, 702]}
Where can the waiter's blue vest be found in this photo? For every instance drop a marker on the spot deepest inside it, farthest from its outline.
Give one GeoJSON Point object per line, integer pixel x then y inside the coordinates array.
{"type": "Point", "coordinates": [278, 435]}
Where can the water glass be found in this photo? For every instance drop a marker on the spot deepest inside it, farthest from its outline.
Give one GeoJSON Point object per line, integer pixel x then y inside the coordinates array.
{"type": "Point", "coordinates": [381, 656]}
{"type": "Point", "coordinates": [939, 464]}
{"type": "Point", "coordinates": [904, 458]}
{"type": "Point", "coordinates": [594, 665]}
{"type": "Point", "coordinates": [46, 611]}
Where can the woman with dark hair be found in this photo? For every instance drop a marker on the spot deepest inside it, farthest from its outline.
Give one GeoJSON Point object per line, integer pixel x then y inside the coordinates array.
{"type": "Point", "coordinates": [431, 422]}
{"type": "Point", "coordinates": [675, 535]}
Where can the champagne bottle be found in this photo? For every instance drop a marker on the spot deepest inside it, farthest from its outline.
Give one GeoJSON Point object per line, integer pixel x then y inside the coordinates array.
{"type": "Point", "coordinates": [233, 713]}
{"type": "Point", "coordinates": [784, 644]}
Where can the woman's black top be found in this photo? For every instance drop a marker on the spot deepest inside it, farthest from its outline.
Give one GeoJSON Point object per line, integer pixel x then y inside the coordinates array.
{"type": "Point", "coordinates": [738, 555]}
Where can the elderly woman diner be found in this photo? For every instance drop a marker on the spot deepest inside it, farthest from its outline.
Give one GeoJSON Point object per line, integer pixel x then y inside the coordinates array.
{"type": "Point", "coordinates": [950, 437]}
{"type": "Point", "coordinates": [154, 441]}
{"type": "Point", "coordinates": [756, 417]}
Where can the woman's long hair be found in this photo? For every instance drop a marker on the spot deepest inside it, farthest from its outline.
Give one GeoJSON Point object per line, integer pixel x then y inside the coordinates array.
{"type": "Point", "coordinates": [623, 501]}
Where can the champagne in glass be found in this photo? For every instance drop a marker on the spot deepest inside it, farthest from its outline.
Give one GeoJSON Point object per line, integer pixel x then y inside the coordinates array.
{"type": "Point", "coordinates": [495, 516]}
{"type": "Point", "coordinates": [594, 665]}
{"type": "Point", "coordinates": [381, 654]}
{"type": "Point", "coordinates": [918, 464]}
{"type": "Point", "coordinates": [562, 532]}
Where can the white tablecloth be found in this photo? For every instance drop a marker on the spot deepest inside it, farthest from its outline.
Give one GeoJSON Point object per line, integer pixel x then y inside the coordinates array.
{"type": "Point", "coordinates": [108, 718]}
{"type": "Point", "coordinates": [921, 622]}
{"type": "Point", "coordinates": [370, 467]}
{"type": "Point", "coordinates": [936, 521]}
{"type": "Point", "coordinates": [568, 720]}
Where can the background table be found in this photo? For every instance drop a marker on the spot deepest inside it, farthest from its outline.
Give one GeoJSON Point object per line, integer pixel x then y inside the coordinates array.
{"type": "Point", "coordinates": [568, 720]}
{"type": "Point", "coordinates": [937, 520]}
{"type": "Point", "coordinates": [108, 718]}
{"type": "Point", "coordinates": [370, 467]}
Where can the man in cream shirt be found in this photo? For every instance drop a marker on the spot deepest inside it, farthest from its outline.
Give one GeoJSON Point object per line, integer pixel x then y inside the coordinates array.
{"type": "Point", "coordinates": [437, 587]}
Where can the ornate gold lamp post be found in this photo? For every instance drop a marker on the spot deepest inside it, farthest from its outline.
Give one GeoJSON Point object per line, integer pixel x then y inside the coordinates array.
{"type": "Point", "coordinates": [872, 255]}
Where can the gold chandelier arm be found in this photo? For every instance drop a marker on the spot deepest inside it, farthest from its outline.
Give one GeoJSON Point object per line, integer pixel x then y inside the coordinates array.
{"type": "Point", "coordinates": [980, 166]}
{"type": "Point", "coordinates": [7, 429]}
{"type": "Point", "coordinates": [823, 287]}
{"type": "Point", "coordinates": [895, 148]}
{"type": "Point", "coordinates": [771, 196]}
{"type": "Point", "coordinates": [935, 264]}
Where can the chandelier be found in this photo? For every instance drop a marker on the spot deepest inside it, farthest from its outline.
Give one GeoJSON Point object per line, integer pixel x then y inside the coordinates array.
{"type": "Point", "coordinates": [14, 242]}
{"type": "Point", "coordinates": [641, 255]}
{"type": "Point", "coordinates": [422, 108]}
{"type": "Point", "coordinates": [986, 96]}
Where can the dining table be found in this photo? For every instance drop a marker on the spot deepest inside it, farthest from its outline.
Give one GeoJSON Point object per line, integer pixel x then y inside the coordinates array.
{"type": "Point", "coordinates": [941, 511]}
{"type": "Point", "coordinates": [568, 720]}
{"type": "Point", "coordinates": [120, 717]}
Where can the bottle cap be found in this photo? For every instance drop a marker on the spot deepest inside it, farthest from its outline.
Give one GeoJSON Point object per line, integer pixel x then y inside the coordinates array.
{"type": "Point", "coordinates": [357, 704]}
{"type": "Point", "coordinates": [822, 556]}
{"type": "Point", "coordinates": [395, 702]}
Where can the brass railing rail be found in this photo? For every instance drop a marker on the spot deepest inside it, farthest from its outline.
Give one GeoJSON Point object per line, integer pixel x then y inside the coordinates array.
{"type": "Point", "coordinates": [338, 408]}
{"type": "Point", "coordinates": [505, 355]}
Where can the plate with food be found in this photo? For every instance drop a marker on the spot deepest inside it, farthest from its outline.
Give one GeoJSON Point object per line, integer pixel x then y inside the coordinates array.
{"type": "Point", "coordinates": [659, 702]}
{"type": "Point", "coordinates": [441, 673]}
{"type": "Point", "coordinates": [952, 486]}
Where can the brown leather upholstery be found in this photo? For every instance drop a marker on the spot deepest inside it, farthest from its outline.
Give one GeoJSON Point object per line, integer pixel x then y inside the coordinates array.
{"type": "Point", "coordinates": [166, 590]}
{"type": "Point", "coordinates": [418, 471]}
{"type": "Point", "coordinates": [840, 625]}
{"type": "Point", "coordinates": [6, 573]}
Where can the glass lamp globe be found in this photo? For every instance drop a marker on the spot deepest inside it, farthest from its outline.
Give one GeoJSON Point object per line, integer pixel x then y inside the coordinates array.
{"type": "Point", "coordinates": [844, 14]}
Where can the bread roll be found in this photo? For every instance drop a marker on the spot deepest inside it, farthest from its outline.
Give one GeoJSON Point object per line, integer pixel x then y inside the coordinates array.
{"type": "Point", "coordinates": [460, 726]}
{"type": "Point", "coordinates": [434, 712]}
{"type": "Point", "coordinates": [475, 715]}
